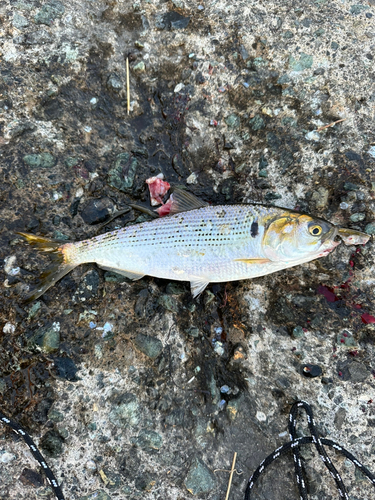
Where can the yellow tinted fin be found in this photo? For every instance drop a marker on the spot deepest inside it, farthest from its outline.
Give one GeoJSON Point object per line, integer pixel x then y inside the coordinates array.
{"type": "Point", "coordinates": [58, 269]}
{"type": "Point", "coordinates": [183, 201]}
{"type": "Point", "coordinates": [253, 261]}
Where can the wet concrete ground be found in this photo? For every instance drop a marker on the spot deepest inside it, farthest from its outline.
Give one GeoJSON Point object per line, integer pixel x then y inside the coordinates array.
{"type": "Point", "coordinates": [135, 390]}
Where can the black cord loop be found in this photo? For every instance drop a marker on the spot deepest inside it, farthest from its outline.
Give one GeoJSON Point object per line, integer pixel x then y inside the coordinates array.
{"type": "Point", "coordinates": [293, 445]}
{"type": "Point", "coordinates": [319, 443]}
{"type": "Point", "coordinates": [36, 454]}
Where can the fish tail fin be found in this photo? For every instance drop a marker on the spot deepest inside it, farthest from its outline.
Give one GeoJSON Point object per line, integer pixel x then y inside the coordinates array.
{"type": "Point", "coordinates": [61, 264]}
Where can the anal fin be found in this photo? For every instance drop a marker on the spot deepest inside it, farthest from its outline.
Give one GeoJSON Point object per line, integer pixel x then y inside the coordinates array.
{"type": "Point", "coordinates": [128, 274]}
{"type": "Point", "coordinates": [197, 285]}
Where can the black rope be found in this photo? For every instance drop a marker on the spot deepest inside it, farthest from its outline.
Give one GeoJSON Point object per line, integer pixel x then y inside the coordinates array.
{"type": "Point", "coordinates": [36, 454]}
{"type": "Point", "coordinates": [295, 444]}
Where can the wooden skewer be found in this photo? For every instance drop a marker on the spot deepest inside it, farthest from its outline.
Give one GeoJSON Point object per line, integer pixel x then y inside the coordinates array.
{"type": "Point", "coordinates": [127, 85]}
{"type": "Point", "coordinates": [330, 125]}
{"type": "Point", "coordinates": [231, 475]}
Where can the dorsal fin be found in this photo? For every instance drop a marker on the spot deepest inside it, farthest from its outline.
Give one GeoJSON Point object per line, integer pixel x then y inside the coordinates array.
{"type": "Point", "coordinates": [182, 201]}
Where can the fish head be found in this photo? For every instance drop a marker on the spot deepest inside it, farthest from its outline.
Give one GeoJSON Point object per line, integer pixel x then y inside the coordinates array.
{"type": "Point", "coordinates": [297, 237]}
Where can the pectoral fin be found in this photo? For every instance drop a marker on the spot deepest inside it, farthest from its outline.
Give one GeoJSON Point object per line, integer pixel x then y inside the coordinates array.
{"type": "Point", "coordinates": [253, 261]}
{"type": "Point", "coordinates": [197, 285]}
{"type": "Point", "coordinates": [128, 274]}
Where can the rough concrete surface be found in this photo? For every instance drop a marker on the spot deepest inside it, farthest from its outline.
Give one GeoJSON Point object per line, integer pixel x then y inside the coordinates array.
{"type": "Point", "coordinates": [135, 390]}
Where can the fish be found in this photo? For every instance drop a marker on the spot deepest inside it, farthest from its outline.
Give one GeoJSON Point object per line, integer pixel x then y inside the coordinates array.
{"type": "Point", "coordinates": [200, 243]}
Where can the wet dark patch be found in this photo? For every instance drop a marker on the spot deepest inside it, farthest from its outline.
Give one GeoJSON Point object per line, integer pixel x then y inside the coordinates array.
{"type": "Point", "coordinates": [254, 230]}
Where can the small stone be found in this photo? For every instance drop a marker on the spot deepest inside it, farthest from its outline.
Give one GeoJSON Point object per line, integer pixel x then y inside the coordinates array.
{"type": "Point", "coordinates": [239, 354]}
{"type": "Point", "coordinates": [138, 44]}
{"type": "Point", "coordinates": [113, 277]}
{"type": "Point", "coordinates": [233, 121]}
{"type": "Point", "coordinates": [219, 348]}
{"type": "Point", "coordinates": [19, 21]}
{"type": "Point", "coordinates": [49, 12]}
{"type": "Point", "coordinates": [313, 136]}
{"type": "Point", "coordinates": [370, 228]}
{"type": "Point", "coordinates": [6, 457]}
{"type": "Point", "coordinates": [9, 328]}
{"type": "Point", "coordinates": [47, 338]}
{"type": "Point", "coordinates": [199, 479]}
{"type": "Point", "coordinates": [97, 210]}
{"type": "Point", "coordinates": [42, 160]}
{"type": "Point", "coordinates": [192, 179]}
{"type": "Point", "coordinates": [256, 123]}
{"type": "Point", "coordinates": [52, 443]}
{"type": "Point", "coordinates": [319, 32]}
{"type": "Point", "coordinates": [55, 416]}
{"type": "Point", "coordinates": [96, 495]}
{"type": "Point", "coordinates": [175, 288]}
{"type": "Point", "coordinates": [150, 346]}
{"type": "Point", "coordinates": [139, 67]}
{"type": "Point", "coordinates": [66, 368]}
{"type": "Point", "coordinates": [358, 8]}
{"type": "Point", "coordinates": [88, 286]}
{"type": "Point", "coordinates": [288, 34]}
{"type": "Point", "coordinates": [358, 372]}
{"type": "Point", "coordinates": [320, 198]}
{"type": "Point", "coordinates": [114, 82]}
{"type": "Point", "coordinates": [170, 303]}
{"type": "Point", "coordinates": [311, 371]}
{"type": "Point", "coordinates": [179, 87]}
{"type": "Point", "coordinates": [145, 481]}
{"type": "Point", "coordinates": [346, 339]}
{"type": "Point", "coordinates": [70, 161]}
{"type": "Point", "coordinates": [29, 477]}
{"type": "Point", "coordinates": [149, 440]}
{"type": "Point", "coordinates": [305, 61]}
{"type": "Point", "coordinates": [272, 196]}
{"type": "Point", "coordinates": [339, 418]}
{"type": "Point", "coordinates": [297, 332]}
{"type": "Point", "coordinates": [232, 408]}
{"type": "Point", "coordinates": [126, 413]}
{"type": "Point", "coordinates": [344, 205]}
{"type": "Point", "coordinates": [193, 331]}
{"type": "Point", "coordinates": [122, 174]}
{"type": "Point", "coordinates": [357, 217]}
{"type": "Point", "coordinates": [175, 21]}
{"type": "Point", "coordinates": [349, 186]}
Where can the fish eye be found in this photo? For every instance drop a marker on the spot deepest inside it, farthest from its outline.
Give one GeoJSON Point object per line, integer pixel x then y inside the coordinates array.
{"type": "Point", "coordinates": [315, 230]}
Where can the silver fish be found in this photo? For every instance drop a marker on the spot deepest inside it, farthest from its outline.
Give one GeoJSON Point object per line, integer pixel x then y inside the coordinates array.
{"type": "Point", "coordinates": [201, 244]}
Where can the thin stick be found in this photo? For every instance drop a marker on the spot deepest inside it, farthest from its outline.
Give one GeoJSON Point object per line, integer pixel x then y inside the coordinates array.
{"type": "Point", "coordinates": [231, 475]}
{"type": "Point", "coordinates": [330, 124]}
{"type": "Point", "coordinates": [127, 85]}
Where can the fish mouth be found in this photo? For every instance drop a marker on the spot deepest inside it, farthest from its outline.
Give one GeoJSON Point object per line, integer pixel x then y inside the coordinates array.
{"type": "Point", "coordinates": [329, 242]}
{"type": "Point", "coordinates": [331, 235]}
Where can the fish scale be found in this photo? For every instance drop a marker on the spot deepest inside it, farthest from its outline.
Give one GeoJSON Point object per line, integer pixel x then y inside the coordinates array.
{"type": "Point", "coordinates": [201, 244]}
